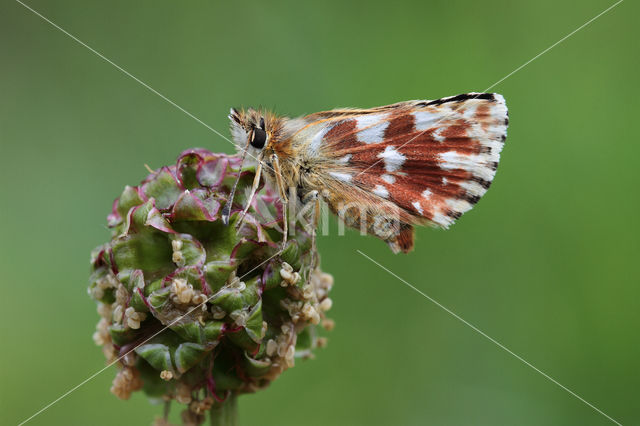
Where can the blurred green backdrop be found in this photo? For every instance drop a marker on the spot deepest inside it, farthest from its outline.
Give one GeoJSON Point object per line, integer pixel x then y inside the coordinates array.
{"type": "Point", "coordinates": [546, 263]}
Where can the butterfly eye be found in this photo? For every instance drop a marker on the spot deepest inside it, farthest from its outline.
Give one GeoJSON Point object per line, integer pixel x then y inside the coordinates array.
{"type": "Point", "coordinates": [258, 138]}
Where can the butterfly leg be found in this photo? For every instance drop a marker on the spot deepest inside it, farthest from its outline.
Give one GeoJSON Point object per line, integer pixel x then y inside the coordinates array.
{"type": "Point", "coordinates": [254, 188]}
{"type": "Point", "coordinates": [283, 198]}
{"type": "Point", "coordinates": [226, 210]}
{"type": "Point", "coordinates": [312, 200]}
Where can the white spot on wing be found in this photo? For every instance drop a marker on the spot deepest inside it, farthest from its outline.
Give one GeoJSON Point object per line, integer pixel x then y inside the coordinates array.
{"type": "Point", "coordinates": [437, 135]}
{"type": "Point", "coordinates": [473, 188]}
{"type": "Point", "coordinates": [317, 140]}
{"type": "Point", "coordinates": [498, 108]}
{"type": "Point", "coordinates": [495, 135]}
{"type": "Point", "coordinates": [381, 191]}
{"type": "Point", "coordinates": [425, 120]}
{"type": "Point", "coordinates": [344, 160]}
{"type": "Point", "coordinates": [416, 205]}
{"type": "Point", "coordinates": [474, 163]}
{"type": "Point", "coordinates": [345, 177]}
{"type": "Point", "coordinates": [442, 220]}
{"type": "Point", "coordinates": [371, 128]}
{"type": "Point", "coordinates": [470, 112]}
{"type": "Point", "coordinates": [460, 206]}
{"type": "Point", "coordinates": [390, 179]}
{"type": "Point", "coordinates": [426, 194]}
{"type": "Point", "coordinates": [393, 159]}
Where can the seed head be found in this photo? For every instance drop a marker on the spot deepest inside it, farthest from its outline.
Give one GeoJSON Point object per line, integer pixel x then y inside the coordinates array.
{"type": "Point", "coordinates": [195, 310]}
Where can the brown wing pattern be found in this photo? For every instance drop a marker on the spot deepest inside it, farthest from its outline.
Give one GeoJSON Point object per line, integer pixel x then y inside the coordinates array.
{"type": "Point", "coordinates": [433, 159]}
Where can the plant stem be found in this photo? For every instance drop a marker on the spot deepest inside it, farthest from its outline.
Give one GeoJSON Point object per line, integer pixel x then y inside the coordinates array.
{"type": "Point", "coordinates": [225, 414]}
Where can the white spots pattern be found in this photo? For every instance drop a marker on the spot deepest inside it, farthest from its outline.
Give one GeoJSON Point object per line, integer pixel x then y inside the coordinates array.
{"type": "Point", "coordinates": [381, 191]}
{"type": "Point", "coordinates": [393, 159]}
{"type": "Point", "coordinates": [470, 112]}
{"type": "Point", "coordinates": [345, 177]}
{"type": "Point", "coordinates": [344, 160]}
{"type": "Point", "coordinates": [416, 205]}
{"type": "Point", "coordinates": [424, 120]}
{"type": "Point", "coordinates": [473, 163]}
{"type": "Point", "coordinates": [317, 140]}
{"type": "Point", "coordinates": [460, 206]}
{"type": "Point", "coordinates": [484, 133]}
{"type": "Point", "coordinates": [473, 188]}
{"type": "Point", "coordinates": [499, 110]}
{"type": "Point", "coordinates": [390, 179]}
{"type": "Point", "coordinates": [437, 135]}
{"type": "Point", "coordinates": [441, 219]}
{"type": "Point", "coordinates": [371, 128]}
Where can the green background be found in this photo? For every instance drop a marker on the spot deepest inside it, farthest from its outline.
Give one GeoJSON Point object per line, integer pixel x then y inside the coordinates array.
{"type": "Point", "coordinates": [546, 263]}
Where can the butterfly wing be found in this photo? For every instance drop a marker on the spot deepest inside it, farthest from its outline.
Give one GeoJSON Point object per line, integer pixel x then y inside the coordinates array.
{"type": "Point", "coordinates": [433, 159]}
{"type": "Point", "coordinates": [420, 162]}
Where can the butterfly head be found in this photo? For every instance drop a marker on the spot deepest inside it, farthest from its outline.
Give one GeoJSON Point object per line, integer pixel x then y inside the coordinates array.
{"type": "Point", "coordinates": [251, 128]}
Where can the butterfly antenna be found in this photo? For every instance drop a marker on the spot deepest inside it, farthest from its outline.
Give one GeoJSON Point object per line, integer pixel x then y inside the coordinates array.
{"type": "Point", "coordinates": [226, 210]}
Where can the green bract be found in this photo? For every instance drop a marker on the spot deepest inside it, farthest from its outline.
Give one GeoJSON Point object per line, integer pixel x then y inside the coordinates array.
{"type": "Point", "coordinates": [196, 311]}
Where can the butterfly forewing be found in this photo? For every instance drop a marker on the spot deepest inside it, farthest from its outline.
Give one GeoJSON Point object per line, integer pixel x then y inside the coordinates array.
{"type": "Point", "coordinates": [433, 159]}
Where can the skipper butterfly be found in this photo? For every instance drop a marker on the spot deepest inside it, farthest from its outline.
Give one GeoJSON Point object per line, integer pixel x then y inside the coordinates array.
{"type": "Point", "coordinates": [383, 169]}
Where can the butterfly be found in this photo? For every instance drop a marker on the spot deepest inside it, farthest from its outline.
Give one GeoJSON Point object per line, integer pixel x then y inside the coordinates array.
{"type": "Point", "coordinates": [382, 170]}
